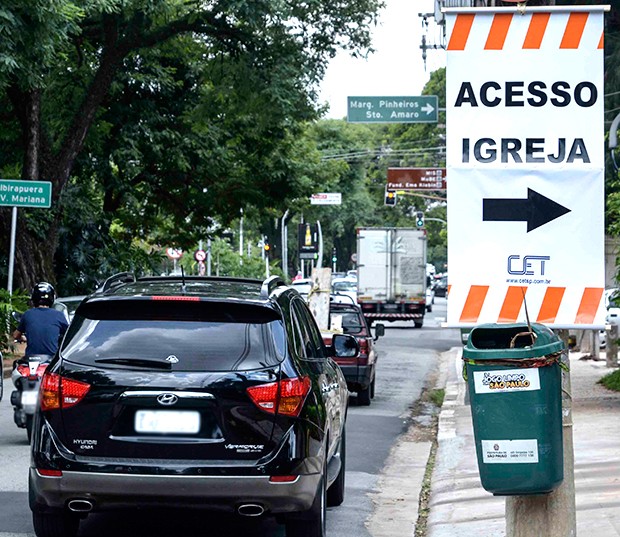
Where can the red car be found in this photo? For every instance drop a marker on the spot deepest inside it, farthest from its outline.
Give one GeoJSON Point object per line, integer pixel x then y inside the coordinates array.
{"type": "Point", "coordinates": [359, 372]}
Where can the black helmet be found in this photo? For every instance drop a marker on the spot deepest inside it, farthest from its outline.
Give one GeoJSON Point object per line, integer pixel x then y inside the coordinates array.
{"type": "Point", "coordinates": [43, 294]}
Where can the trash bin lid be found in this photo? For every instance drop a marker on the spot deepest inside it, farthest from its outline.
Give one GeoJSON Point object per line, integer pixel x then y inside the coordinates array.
{"type": "Point", "coordinates": [514, 341]}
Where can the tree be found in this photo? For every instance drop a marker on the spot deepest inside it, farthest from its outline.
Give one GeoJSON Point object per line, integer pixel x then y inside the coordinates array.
{"type": "Point", "coordinates": [107, 53]}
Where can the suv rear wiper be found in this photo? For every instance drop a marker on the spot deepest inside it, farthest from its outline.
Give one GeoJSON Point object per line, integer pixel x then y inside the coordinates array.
{"type": "Point", "coordinates": [140, 362]}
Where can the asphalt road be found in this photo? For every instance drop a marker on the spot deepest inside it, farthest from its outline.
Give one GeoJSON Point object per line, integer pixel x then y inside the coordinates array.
{"type": "Point", "coordinates": [407, 357]}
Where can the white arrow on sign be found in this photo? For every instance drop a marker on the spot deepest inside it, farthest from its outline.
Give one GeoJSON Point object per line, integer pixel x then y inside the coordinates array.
{"type": "Point", "coordinates": [428, 108]}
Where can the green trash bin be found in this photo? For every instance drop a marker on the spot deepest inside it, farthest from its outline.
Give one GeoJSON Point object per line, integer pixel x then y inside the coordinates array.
{"type": "Point", "coordinates": [515, 390]}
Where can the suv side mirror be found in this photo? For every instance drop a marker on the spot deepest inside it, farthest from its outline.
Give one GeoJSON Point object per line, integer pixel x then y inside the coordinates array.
{"type": "Point", "coordinates": [379, 331]}
{"type": "Point", "coordinates": [344, 346]}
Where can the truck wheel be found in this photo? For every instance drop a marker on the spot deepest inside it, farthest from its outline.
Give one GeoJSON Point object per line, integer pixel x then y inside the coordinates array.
{"type": "Point", "coordinates": [418, 324]}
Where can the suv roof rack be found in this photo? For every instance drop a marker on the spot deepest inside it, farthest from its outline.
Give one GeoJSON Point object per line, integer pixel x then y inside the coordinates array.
{"type": "Point", "coordinates": [116, 280]}
{"type": "Point", "coordinates": [270, 284]}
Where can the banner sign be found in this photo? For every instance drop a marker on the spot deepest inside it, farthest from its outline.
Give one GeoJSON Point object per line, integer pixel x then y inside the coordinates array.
{"type": "Point", "coordinates": [326, 198]}
{"type": "Point", "coordinates": [525, 156]}
{"type": "Point", "coordinates": [308, 240]}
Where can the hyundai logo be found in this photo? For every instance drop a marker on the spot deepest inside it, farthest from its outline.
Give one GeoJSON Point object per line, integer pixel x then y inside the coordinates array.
{"type": "Point", "coordinates": [167, 399]}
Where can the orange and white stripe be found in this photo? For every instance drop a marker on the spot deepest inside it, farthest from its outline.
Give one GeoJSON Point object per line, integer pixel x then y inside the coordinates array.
{"type": "Point", "coordinates": [557, 306]}
{"type": "Point", "coordinates": [530, 31]}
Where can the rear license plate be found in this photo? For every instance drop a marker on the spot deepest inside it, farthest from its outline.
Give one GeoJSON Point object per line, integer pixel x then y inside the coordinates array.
{"type": "Point", "coordinates": [167, 421]}
{"type": "Point", "coordinates": [390, 307]}
{"type": "Point", "coordinates": [29, 397]}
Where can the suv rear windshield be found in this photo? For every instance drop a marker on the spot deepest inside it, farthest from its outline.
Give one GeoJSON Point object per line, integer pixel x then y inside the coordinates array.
{"type": "Point", "coordinates": [176, 336]}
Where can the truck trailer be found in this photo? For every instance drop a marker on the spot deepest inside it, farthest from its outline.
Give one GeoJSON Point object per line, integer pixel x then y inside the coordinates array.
{"type": "Point", "coordinates": [391, 274]}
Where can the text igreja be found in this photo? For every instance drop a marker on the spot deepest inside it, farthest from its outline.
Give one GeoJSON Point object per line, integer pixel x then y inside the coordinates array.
{"type": "Point", "coordinates": [529, 150]}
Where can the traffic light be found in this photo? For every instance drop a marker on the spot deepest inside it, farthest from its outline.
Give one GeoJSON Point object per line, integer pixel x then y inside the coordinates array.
{"type": "Point", "coordinates": [334, 255]}
{"type": "Point", "coordinates": [390, 198]}
{"type": "Point", "coordinates": [419, 219]}
{"type": "Point", "coordinates": [266, 246]}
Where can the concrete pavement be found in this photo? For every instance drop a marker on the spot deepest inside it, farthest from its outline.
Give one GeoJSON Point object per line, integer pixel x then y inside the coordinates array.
{"type": "Point", "coordinates": [460, 507]}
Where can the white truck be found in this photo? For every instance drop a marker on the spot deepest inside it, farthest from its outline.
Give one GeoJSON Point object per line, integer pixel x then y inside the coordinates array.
{"type": "Point", "coordinates": [391, 274]}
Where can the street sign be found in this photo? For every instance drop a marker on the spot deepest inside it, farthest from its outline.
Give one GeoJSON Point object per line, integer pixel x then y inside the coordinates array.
{"type": "Point", "coordinates": [174, 253]}
{"type": "Point", "coordinates": [326, 198]}
{"type": "Point", "coordinates": [416, 179]}
{"type": "Point", "coordinates": [17, 193]}
{"type": "Point", "coordinates": [200, 255]}
{"type": "Point", "coordinates": [526, 165]}
{"type": "Point", "coordinates": [308, 240]}
{"type": "Point", "coordinates": [420, 109]}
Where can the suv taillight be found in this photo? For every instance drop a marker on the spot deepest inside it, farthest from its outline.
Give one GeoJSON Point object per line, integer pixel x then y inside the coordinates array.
{"type": "Point", "coordinates": [59, 392]}
{"type": "Point", "coordinates": [285, 397]}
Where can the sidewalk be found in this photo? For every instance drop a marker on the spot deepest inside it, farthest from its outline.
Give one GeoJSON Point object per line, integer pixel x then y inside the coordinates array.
{"type": "Point", "coordinates": [460, 507]}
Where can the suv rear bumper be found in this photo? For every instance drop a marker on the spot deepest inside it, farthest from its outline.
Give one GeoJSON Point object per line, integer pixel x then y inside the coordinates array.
{"type": "Point", "coordinates": [222, 493]}
{"type": "Point", "coordinates": [357, 376]}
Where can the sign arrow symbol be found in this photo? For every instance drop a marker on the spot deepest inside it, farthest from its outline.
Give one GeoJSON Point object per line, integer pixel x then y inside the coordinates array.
{"type": "Point", "coordinates": [537, 210]}
{"type": "Point", "coordinates": [428, 108]}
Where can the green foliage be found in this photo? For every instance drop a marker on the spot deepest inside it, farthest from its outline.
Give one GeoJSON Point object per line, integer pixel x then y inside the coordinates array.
{"type": "Point", "coordinates": [171, 115]}
{"type": "Point", "coordinates": [437, 396]}
{"type": "Point", "coordinates": [17, 302]}
{"type": "Point", "coordinates": [611, 381]}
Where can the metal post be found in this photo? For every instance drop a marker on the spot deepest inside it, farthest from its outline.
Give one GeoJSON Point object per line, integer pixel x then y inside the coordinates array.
{"type": "Point", "coordinates": [550, 514]}
{"type": "Point", "coordinates": [319, 262]}
{"type": "Point", "coordinates": [283, 229]}
{"type": "Point", "coordinates": [611, 346]}
{"type": "Point", "coordinates": [241, 238]}
{"type": "Point", "coordinates": [12, 250]}
{"type": "Point", "coordinates": [208, 257]}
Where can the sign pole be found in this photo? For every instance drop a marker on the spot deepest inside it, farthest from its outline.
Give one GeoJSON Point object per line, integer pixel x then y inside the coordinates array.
{"type": "Point", "coordinates": [12, 250]}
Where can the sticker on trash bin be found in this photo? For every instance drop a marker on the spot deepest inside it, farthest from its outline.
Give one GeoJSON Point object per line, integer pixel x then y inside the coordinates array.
{"type": "Point", "coordinates": [506, 380]}
{"type": "Point", "coordinates": [509, 451]}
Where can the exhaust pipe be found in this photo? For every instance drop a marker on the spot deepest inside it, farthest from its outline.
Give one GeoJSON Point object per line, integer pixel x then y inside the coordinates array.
{"type": "Point", "coordinates": [250, 509]}
{"type": "Point", "coordinates": [80, 506]}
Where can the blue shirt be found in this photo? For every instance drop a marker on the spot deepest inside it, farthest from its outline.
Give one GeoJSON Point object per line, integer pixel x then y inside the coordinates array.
{"type": "Point", "coordinates": [43, 328]}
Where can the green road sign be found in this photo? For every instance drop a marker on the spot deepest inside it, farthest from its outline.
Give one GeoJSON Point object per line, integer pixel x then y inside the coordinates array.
{"type": "Point", "coordinates": [421, 109]}
{"type": "Point", "coordinates": [18, 193]}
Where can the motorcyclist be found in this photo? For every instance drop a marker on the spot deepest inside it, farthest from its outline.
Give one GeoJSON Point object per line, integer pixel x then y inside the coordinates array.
{"type": "Point", "coordinates": [42, 325]}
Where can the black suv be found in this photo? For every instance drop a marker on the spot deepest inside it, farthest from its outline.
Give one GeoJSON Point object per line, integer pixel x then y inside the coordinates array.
{"type": "Point", "coordinates": [213, 393]}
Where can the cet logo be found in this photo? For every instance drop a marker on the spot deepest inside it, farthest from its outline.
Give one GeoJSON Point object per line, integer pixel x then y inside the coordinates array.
{"type": "Point", "coordinates": [496, 447]}
{"type": "Point", "coordinates": [528, 266]}
{"type": "Point", "coordinates": [167, 399]}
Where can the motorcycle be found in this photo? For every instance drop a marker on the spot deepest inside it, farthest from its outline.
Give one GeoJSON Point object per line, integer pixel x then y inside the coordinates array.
{"type": "Point", "coordinates": [26, 377]}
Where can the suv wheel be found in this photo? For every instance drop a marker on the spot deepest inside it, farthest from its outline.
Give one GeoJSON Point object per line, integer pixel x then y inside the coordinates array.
{"type": "Point", "coordinates": [372, 388]}
{"type": "Point", "coordinates": [335, 493]}
{"type": "Point", "coordinates": [56, 524]}
{"type": "Point", "coordinates": [363, 396]}
{"type": "Point", "coordinates": [312, 522]}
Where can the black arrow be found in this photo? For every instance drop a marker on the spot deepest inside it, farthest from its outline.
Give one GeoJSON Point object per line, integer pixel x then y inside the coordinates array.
{"type": "Point", "coordinates": [536, 210]}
